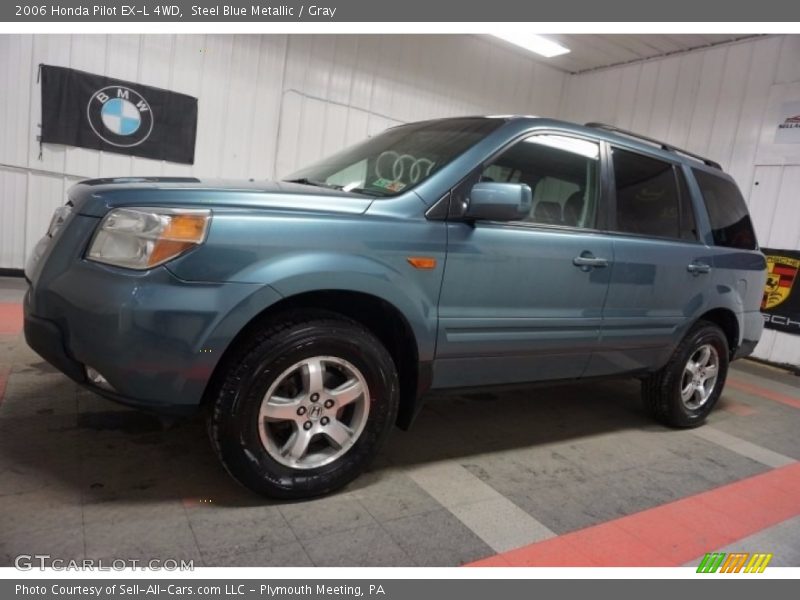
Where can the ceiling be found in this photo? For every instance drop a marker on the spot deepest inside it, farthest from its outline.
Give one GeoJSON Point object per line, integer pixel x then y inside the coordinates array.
{"type": "Point", "coordinates": [596, 51]}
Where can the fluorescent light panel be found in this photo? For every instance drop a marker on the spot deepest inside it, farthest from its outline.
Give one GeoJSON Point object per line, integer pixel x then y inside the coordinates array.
{"type": "Point", "coordinates": [533, 43]}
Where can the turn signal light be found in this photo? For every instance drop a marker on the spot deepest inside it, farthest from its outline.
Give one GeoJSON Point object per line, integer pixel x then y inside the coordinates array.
{"type": "Point", "coordinates": [422, 262]}
{"type": "Point", "coordinates": [182, 232]}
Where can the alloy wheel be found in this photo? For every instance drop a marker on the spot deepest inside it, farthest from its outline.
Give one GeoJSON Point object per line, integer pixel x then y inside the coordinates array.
{"type": "Point", "coordinates": [700, 376]}
{"type": "Point", "coordinates": [314, 412]}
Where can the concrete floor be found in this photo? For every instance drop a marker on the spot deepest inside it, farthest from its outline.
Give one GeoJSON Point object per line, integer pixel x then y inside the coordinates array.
{"type": "Point", "coordinates": [479, 474]}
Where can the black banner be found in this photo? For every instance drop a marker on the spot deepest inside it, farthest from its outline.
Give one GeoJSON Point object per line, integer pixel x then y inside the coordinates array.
{"type": "Point", "coordinates": [781, 303]}
{"type": "Point", "coordinates": [125, 586]}
{"type": "Point", "coordinates": [386, 11]}
{"type": "Point", "coordinates": [93, 111]}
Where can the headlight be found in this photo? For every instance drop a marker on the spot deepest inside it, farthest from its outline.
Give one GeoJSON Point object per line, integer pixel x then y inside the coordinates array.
{"type": "Point", "coordinates": [59, 216]}
{"type": "Point", "coordinates": [142, 238]}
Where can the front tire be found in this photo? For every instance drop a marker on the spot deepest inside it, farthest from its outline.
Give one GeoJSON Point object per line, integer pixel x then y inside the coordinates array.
{"type": "Point", "coordinates": [685, 390]}
{"type": "Point", "coordinates": [304, 406]}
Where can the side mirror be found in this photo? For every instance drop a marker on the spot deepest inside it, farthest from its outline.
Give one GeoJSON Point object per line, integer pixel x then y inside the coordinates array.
{"type": "Point", "coordinates": [493, 201]}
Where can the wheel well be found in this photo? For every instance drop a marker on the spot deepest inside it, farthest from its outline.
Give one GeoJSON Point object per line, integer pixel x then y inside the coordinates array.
{"type": "Point", "coordinates": [726, 320]}
{"type": "Point", "coordinates": [383, 319]}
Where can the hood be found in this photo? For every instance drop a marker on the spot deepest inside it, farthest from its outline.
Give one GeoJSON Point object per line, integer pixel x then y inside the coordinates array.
{"type": "Point", "coordinates": [94, 197]}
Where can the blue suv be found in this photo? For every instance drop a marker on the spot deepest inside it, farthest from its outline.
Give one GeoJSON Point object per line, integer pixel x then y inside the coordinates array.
{"type": "Point", "coordinates": [309, 316]}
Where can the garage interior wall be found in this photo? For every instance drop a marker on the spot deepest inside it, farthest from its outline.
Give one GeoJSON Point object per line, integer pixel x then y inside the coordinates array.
{"type": "Point", "coordinates": [712, 102]}
{"type": "Point", "coordinates": [269, 103]}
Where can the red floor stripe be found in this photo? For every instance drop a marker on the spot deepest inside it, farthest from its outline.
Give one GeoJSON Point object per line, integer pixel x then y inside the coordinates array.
{"type": "Point", "coordinates": [10, 318]}
{"type": "Point", "coordinates": [737, 408]}
{"type": "Point", "coordinates": [674, 533]}
{"type": "Point", "coordinates": [757, 390]}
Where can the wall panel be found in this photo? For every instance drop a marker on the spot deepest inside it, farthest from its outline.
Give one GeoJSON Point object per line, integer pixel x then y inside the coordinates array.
{"type": "Point", "coordinates": [15, 98]}
{"type": "Point", "coordinates": [13, 191]}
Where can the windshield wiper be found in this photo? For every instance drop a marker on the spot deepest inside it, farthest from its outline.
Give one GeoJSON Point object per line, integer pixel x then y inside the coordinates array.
{"type": "Point", "coordinates": [333, 186]}
{"type": "Point", "coordinates": [307, 181]}
{"type": "Point", "coordinates": [366, 192]}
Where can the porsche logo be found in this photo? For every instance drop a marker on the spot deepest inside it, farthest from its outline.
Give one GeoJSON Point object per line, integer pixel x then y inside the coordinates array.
{"type": "Point", "coordinates": [781, 272]}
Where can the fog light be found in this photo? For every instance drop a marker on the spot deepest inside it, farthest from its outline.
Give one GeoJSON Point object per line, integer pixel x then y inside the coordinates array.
{"type": "Point", "coordinates": [97, 379]}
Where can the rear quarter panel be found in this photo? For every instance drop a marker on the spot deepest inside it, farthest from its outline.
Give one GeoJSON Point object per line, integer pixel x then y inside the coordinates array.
{"type": "Point", "coordinates": [739, 278]}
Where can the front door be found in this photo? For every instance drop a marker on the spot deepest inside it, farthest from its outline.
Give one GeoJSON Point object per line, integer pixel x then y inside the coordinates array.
{"type": "Point", "coordinates": [522, 301]}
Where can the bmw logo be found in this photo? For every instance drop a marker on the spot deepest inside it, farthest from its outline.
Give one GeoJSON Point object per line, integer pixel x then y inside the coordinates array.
{"type": "Point", "coordinates": [120, 116]}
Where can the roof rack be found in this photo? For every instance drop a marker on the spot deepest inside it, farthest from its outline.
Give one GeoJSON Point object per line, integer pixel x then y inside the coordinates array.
{"type": "Point", "coordinates": [660, 144]}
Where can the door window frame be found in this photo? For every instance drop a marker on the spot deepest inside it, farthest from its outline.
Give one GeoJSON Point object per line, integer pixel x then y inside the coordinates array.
{"type": "Point", "coordinates": [462, 188]}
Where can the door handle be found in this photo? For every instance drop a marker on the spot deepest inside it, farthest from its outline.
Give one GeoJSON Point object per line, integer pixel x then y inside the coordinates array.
{"type": "Point", "coordinates": [698, 268]}
{"type": "Point", "coordinates": [588, 261]}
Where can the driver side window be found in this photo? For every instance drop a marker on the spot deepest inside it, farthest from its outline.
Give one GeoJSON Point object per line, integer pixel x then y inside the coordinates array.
{"type": "Point", "coordinates": [562, 172]}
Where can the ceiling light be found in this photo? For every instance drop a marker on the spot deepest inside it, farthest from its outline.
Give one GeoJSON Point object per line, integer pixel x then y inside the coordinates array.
{"type": "Point", "coordinates": [534, 43]}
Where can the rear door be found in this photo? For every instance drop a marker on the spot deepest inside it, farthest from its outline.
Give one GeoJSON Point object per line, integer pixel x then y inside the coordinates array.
{"type": "Point", "coordinates": [522, 301]}
{"type": "Point", "coordinates": [661, 271]}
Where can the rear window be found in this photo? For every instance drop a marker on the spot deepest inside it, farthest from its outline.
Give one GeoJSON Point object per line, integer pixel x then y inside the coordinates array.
{"type": "Point", "coordinates": [730, 222]}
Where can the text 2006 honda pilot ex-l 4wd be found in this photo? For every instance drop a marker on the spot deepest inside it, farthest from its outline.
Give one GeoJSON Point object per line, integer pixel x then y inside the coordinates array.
{"type": "Point", "coordinates": [309, 316]}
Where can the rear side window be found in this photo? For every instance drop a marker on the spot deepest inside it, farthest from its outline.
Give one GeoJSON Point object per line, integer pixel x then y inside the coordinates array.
{"type": "Point", "coordinates": [730, 221]}
{"type": "Point", "coordinates": [647, 195]}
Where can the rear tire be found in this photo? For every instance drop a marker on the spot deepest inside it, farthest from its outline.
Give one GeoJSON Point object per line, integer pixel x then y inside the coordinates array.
{"type": "Point", "coordinates": [304, 406]}
{"type": "Point", "coordinates": [685, 390]}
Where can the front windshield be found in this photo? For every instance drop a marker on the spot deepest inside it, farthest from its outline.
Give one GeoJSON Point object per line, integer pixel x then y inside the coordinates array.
{"type": "Point", "coordinates": [397, 159]}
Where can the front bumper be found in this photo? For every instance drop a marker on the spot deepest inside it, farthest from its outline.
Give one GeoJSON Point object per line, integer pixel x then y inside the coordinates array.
{"type": "Point", "coordinates": [155, 338]}
{"type": "Point", "coordinates": [46, 339]}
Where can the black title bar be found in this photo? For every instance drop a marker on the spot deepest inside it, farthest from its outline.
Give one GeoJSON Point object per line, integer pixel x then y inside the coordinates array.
{"type": "Point", "coordinates": [400, 10]}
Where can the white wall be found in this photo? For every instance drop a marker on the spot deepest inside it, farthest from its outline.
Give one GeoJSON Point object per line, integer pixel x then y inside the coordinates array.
{"type": "Point", "coordinates": [714, 102]}
{"type": "Point", "coordinates": [267, 103]}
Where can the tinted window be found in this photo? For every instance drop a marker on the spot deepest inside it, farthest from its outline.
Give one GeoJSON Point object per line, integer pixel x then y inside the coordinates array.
{"type": "Point", "coordinates": [647, 195]}
{"type": "Point", "coordinates": [730, 221]}
{"type": "Point", "coordinates": [562, 173]}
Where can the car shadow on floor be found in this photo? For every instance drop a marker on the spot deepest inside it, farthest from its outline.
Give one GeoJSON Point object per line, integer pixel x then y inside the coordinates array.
{"type": "Point", "coordinates": [67, 437]}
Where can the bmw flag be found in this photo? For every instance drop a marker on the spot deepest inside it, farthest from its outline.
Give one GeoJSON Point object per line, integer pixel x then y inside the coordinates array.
{"type": "Point", "coordinates": [93, 111]}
